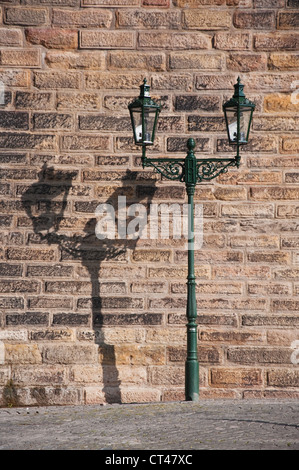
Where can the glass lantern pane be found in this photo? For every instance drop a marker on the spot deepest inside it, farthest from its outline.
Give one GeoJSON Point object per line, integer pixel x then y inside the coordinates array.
{"type": "Point", "coordinates": [231, 116]}
{"type": "Point", "coordinates": [137, 126]}
{"type": "Point", "coordinates": [245, 116]}
{"type": "Point", "coordinates": [149, 121]}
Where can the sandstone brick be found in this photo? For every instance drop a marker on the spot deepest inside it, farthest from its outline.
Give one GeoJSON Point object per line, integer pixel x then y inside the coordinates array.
{"type": "Point", "coordinates": [194, 102]}
{"type": "Point", "coordinates": [11, 302]}
{"type": "Point", "coordinates": [78, 100]}
{"type": "Point", "coordinates": [154, 61]}
{"type": "Point", "coordinates": [107, 3]}
{"type": "Point", "coordinates": [143, 19]}
{"type": "Point", "coordinates": [248, 210]}
{"type": "Point", "coordinates": [20, 58]}
{"type": "Point", "coordinates": [283, 61]}
{"type": "Point", "coordinates": [15, 78]}
{"type": "Point", "coordinates": [82, 18]}
{"type": "Point", "coordinates": [274, 193]}
{"type": "Point", "coordinates": [228, 41]}
{"type": "Point", "coordinates": [288, 20]}
{"type": "Point", "coordinates": [225, 377]}
{"type": "Point", "coordinates": [22, 354]}
{"type": "Point", "coordinates": [207, 19]}
{"type": "Point", "coordinates": [260, 355]}
{"type": "Point", "coordinates": [85, 142]}
{"type": "Point", "coordinates": [53, 38]}
{"type": "Point", "coordinates": [254, 19]}
{"type": "Point", "coordinates": [290, 145]}
{"type": "Point", "coordinates": [69, 354]}
{"type": "Point", "coordinates": [106, 80]}
{"type": "Point", "coordinates": [34, 100]}
{"type": "Point", "coordinates": [25, 16]}
{"type": "Point", "coordinates": [27, 141]}
{"type": "Point", "coordinates": [30, 253]}
{"type": "Point", "coordinates": [107, 39]}
{"type": "Point", "coordinates": [39, 375]}
{"type": "Point", "coordinates": [246, 62]}
{"type": "Point", "coordinates": [183, 60]}
{"type": "Point", "coordinates": [173, 40]}
{"type": "Point", "coordinates": [52, 121]}
{"type": "Point", "coordinates": [10, 37]}
{"type": "Point", "coordinates": [57, 79]}
{"type": "Point", "coordinates": [275, 41]}
{"type": "Point", "coordinates": [156, 3]}
{"type": "Point", "coordinates": [14, 120]}
{"type": "Point", "coordinates": [75, 60]}
{"type": "Point", "coordinates": [283, 378]}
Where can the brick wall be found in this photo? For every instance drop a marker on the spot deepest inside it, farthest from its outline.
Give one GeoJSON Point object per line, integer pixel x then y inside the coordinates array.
{"type": "Point", "coordinates": [85, 320]}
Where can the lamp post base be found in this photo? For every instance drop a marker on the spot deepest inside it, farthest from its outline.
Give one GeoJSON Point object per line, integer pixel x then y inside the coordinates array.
{"type": "Point", "coordinates": [191, 381]}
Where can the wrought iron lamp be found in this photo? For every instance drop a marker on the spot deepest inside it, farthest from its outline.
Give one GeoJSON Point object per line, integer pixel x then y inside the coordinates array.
{"type": "Point", "coordinates": [191, 170]}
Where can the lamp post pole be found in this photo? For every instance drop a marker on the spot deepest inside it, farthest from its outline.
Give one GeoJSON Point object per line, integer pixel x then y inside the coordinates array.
{"type": "Point", "coordinates": [192, 365]}
{"type": "Point", "coordinates": [191, 171]}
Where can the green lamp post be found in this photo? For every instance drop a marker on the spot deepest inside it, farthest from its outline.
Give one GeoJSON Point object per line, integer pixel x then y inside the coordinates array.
{"type": "Point", "coordinates": [190, 170]}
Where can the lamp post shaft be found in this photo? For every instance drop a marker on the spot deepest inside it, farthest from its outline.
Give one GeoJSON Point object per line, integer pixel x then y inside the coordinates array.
{"type": "Point", "coordinates": [192, 366]}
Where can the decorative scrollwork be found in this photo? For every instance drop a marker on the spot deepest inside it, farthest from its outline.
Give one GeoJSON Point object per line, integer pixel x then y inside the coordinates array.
{"type": "Point", "coordinates": [209, 169]}
{"type": "Point", "coordinates": [174, 169]}
{"type": "Point", "coordinates": [170, 169]}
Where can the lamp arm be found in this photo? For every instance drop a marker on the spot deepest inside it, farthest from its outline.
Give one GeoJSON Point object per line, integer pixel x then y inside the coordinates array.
{"type": "Point", "coordinates": [174, 168]}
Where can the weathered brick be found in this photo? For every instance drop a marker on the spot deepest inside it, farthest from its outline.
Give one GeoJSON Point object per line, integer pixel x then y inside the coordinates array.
{"type": "Point", "coordinates": [25, 16]}
{"type": "Point", "coordinates": [27, 141]}
{"type": "Point", "coordinates": [82, 18]}
{"type": "Point", "coordinates": [35, 318]}
{"type": "Point", "coordinates": [69, 354]}
{"type": "Point", "coordinates": [283, 378]}
{"type": "Point", "coordinates": [10, 37]}
{"type": "Point", "coordinates": [284, 61]}
{"type": "Point", "coordinates": [22, 354]}
{"type": "Point", "coordinates": [246, 62]}
{"type": "Point", "coordinates": [173, 40]}
{"type": "Point", "coordinates": [194, 102]}
{"type": "Point", "coordinates": [154, 61]}
{"type": "Point", "coordinates": [11, 303]}
{"type": "Point", "coordinates": [93, 39]}
{"type": "Point", "coordinates": [231, 41]}
{"type": "Point", "coordinates": [183, 60]}
{"type": "Point", "coordinates": [34, 100]}
{"type": "Point", "coordinates": [207, 19]}
{"type": "Point", "coordinates": [254, 19]}
{"type": "Point", "coordinates": [85, 142]}
{"type": "Point", "coordinates": [75, 60]}
{"type": "Point", "coordinates": [14, 120]}
{"type": "Point", "coordinates": [78, 100]}
{"type": "Point", "coordinates": [15, 78]}
{"type": "Point", "coordinates": [52, 121]}
{"type": "Point", "coordinates": [225, 377]}
{"type": "Point", "coordinates": [112, 81]}
{"type": "Point", "coordinates": [142, 19]}
{"type": "Point", "coordinates": [30, 253]}
{"type": "Point", "coordinates": [275, 41]}
{"type": "Point", "coordinates": [274, 193]}
{"type": "Point", "coordinates": [107, 3]}
{"type": "Point", "coordinates": [53, 38]}
{"type": "Point", "coordinates": [288, 20]}
{"type": "Point", "coordinates": [259, 355]}
{"type": "Point", "coordinates": [57, 79]}
{"type": "Point", "coordinates": [20, 58]}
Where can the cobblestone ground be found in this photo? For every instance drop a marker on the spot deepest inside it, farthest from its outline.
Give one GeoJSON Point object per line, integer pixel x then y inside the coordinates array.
{"type": "Point", "coordinates": [212, 425]}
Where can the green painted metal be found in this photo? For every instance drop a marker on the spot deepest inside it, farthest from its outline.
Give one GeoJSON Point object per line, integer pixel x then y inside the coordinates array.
{"type": "Point", "coordinates": [191, 171]}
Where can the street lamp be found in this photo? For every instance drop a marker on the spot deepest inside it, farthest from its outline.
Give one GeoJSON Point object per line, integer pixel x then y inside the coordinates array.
{"type": "Point", "coordinates": [191, 170]}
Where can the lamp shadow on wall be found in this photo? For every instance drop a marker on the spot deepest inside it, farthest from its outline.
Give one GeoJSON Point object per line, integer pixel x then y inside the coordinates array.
{"type": "Point", "coordinates": [45, 202]}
